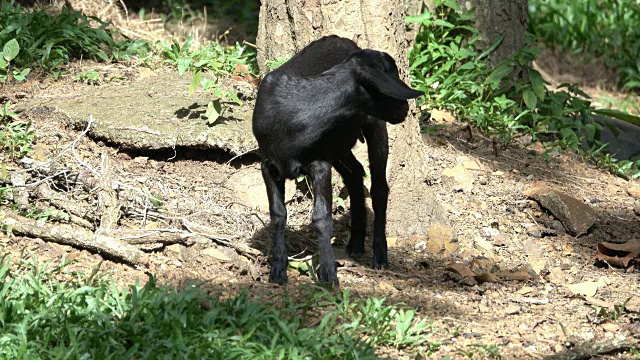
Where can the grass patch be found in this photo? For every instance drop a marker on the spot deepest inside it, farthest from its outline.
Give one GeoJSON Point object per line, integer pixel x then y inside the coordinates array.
{"type": "Point", "coordinates": [448, 65]}
{"type": "Point", "coordinates": [38, 39]}
{"type": "Point", "coordinates": [16, 135]}
{"type": "Point", "coordinates": [50, 311]}
{"type": "Point", "coordinates": [608, 29]}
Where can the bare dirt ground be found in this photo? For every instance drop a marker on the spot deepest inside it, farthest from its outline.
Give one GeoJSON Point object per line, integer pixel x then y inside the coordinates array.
{"type": "Point", "coordinates": [531, 318]}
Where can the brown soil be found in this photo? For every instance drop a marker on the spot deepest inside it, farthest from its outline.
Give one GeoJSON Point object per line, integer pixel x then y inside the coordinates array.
{"type": "Point", "coordinates": [528, 319]}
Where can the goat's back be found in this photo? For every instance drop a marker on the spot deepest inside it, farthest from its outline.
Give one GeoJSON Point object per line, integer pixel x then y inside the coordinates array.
{"type": "Point", "coordinates": [320, 56]}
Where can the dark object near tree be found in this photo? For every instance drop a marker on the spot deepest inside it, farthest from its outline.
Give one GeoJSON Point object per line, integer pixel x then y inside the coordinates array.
{"type": "Point", "coordinates": [309, 113]}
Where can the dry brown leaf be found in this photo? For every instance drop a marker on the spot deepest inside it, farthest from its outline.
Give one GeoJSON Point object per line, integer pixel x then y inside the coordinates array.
{"type": "Point", "coordinates": [241, 69]}
{"type": "Point", "coordinates": [633, 304]}
{"type": "Point", "coordinates": [472, 165]}
{"type": "Point", "coordinates": [392, 241]}
{"type": "Point", "coordinates": [526, 290]}
{"type": "Point", "coordinates": [460, 269]}
{"type": "Point", "coordinates": [598, 302]}
{"type": "Point", "coordinates": [441, 237]}
{"type": "Point", "coordinates": [486, 278]}
{"type": "Point", "coordinates": [442, 116]}
{"type": "Point", "coordinates": [610, 327]}
{"type": "Point", "coordinates": [481, 264]}
{"type": "Point", "coordinates": [535, 255]}
{"type": "Point", "coordinates": [588, 288]}
{"type": "Point", "coordinates": [620, 255]}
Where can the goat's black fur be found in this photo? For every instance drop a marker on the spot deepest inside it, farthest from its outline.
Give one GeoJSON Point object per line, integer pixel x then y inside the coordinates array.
{"type": "Point", "coordinates": [309, 113]}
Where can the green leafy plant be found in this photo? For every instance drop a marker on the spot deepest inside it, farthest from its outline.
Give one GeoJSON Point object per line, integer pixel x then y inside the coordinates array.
{"type": "Point", "coordinates": [90, 77]}
{"type": "Point", "coordinates": [450, 67]}
{"type": "Point", "coordinates": [46, 215]}
{"type": "Point", "coordinates": [49, 41]}
{"type": "Point", "coordinates": [608, 29]}
{"type": "Point", "coordinates": [207, 63]}
{"type": "Point", "coordinates": [275, 63]}
{"type": "Point", "coordinates": [603, 314]}
{"type": "Point", "coordinates": [50, 311]}
{"type": "Point", "coordinates": [9, 52]}
{"type": "Point", "coordinates": [16, 135]}
{"type": "Point", "coordinates": [490, 351]}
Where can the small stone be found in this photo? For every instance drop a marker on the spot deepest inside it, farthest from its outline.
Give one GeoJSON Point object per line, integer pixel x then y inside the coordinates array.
{"type": "Point", "coordinates": [576, 216]}
{"type": "Point", "coordinates": [500, 240]}
{"type": "Point", "coordinates": [459, 178]}
{"type": "Point", "coordinates": [512, 310]}
{"type": "Point", "coordinates": [634, 192]}
{"type": "Point", "coordinates": [636, 208]}
{"type": "Point", "coordinates": [141, 159]}
{"type": "Point", "coordinates": [216, 254]}
{"type": "Point", "coordinates": [174, 248]}
{"type": "Point", "coordinates": [490, 232]}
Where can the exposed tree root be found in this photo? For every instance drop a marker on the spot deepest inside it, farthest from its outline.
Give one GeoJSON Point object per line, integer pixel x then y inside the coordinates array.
{"type": "Point", "coordinates": [594, 349]}
{"type": "Point", "coordinates": [75, 236]}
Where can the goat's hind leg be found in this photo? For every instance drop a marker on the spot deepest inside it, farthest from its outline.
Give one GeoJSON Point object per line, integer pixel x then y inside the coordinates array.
{"type": "Point", "coordinates": [352, 173]}
{"type": "Point", "coordinates": [320, 173]}
{"type": "Point", "coordinates": [278, 215]}
{"type": "Point", "coordinates": [375, 133]}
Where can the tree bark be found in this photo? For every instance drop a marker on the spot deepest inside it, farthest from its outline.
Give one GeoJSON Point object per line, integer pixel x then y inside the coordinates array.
{"type": "Point", "coordinates": [286, 26]}
{"type": "Point", "coordinates": [498, 17]}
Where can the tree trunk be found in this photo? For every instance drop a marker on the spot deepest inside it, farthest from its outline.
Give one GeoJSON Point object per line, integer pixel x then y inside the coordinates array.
{"type": "Point", "coordinates": [286, 26]}
{"type": "Point", "coordinates": [501, 17]}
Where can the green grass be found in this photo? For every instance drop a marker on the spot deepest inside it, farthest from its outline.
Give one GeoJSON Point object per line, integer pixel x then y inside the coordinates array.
{"type": "Point", "coordinates": [39, 39]}
{"type": "Point", "coordinates": [608, 29]}
{"type": "Point", "coordinates": [50, 312]}
{"type": "Point", "coordinates": [448, 65]}
{"type": "Point", "coordinates": [16, 135]}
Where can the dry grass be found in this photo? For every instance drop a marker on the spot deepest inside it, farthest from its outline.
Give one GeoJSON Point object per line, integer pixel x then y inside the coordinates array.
{"type": "Point", "coordinates": [198, 23]}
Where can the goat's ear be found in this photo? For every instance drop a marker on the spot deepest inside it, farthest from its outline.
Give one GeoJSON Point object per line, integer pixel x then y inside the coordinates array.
{"type": "Point", "coordinates": [387, 84]}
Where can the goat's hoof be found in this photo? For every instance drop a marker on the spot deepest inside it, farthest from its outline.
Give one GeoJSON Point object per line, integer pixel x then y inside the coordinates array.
{"type": "Point", "coordinates": [355, 251]}
{"type": "Point", "coordinates": [380, 264]}
{"type": "Point", "coordinates": [328, 276]}
{"type": "Point", "coordinates": [355, 254]}
{"type": "Point", "coordinates": [278, 275]}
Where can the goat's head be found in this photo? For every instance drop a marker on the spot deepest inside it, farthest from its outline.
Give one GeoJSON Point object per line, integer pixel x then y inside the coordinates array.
{"type": "Point", "coordinates": [386, 94]}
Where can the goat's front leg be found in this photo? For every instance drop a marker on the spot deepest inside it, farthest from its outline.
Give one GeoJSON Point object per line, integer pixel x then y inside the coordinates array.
{"type": "Point", "coordinates": [375, 133]}
{"type": "Point", "coordinates": [320, 173]}
{"type": "Point", "coordinates": [352, 173]}
{"type": "Point", "coordinates": [278, 214]}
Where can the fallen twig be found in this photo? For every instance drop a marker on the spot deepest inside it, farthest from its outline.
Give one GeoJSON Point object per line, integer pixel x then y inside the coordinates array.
{"type": "Point", "coordinates": [72, 235]}
{"type": "Point", "coordinates": [20, 194]}
{"type": "Point", "coordinates": [593, 349]}
{"type": "Point", "coordinates": [73, 207]}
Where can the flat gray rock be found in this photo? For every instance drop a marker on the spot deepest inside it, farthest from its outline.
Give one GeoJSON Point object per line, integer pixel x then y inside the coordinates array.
{"type": "Point", "coordinates": [151, 113]}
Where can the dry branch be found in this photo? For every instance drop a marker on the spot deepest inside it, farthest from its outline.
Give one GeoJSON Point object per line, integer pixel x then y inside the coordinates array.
{"type": "Point", "coordinates": [43, 207]}
{"type": "Point", "coordinates": [109, 207]}
{"type": "Point", "coordinates": [75, 236]}
{"type": "Point", "coordinates": [593, 349]}
{"type": "Point", "coordinates": [155, 236]}
{"type": "Point", "coordinates": [20, 194]}
{"type": "Point", "coordinates": [73, 207]}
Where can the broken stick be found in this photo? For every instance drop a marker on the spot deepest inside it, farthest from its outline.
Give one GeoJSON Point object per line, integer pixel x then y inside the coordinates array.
{"type": "Point", "coordinates": [78, 237]}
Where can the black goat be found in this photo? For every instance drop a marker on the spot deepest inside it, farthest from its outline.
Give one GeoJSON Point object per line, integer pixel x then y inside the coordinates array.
{"type": "Point", "coordinates": [309, 113]}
